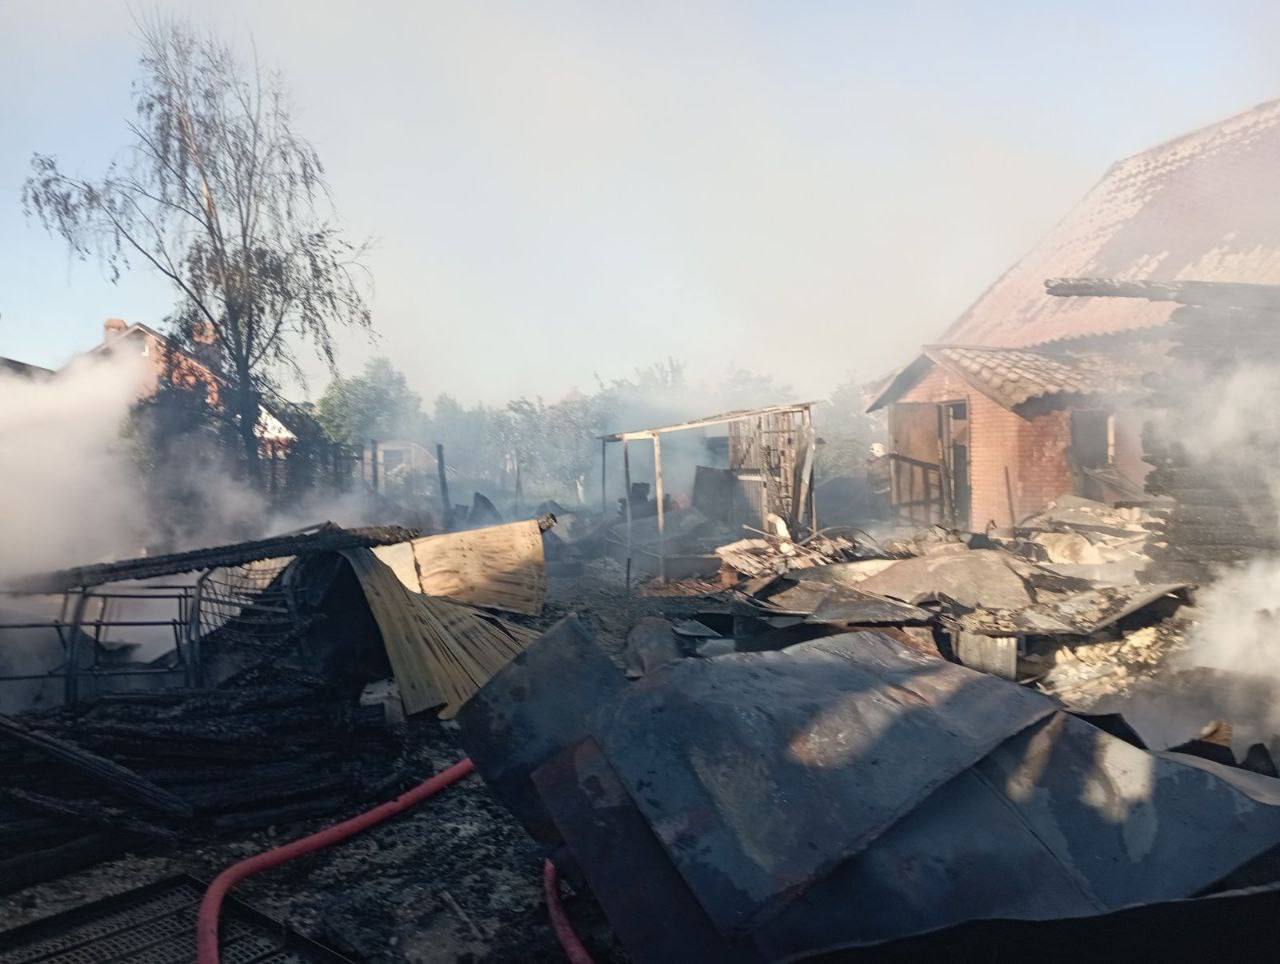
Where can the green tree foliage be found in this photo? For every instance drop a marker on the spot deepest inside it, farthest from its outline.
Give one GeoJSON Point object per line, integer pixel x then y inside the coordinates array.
{"type": "Point", "coordinates": [376, 404]}
{"type": "Point", "coordinates": [218, 193]}
{"type": "Point", "coordinates": [847, 429]}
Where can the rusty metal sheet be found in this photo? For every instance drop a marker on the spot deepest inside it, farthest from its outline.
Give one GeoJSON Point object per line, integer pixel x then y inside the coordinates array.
{"type": "Point", "coordinates": [762, 771]}
{"type": "Point", "coordinates": [499, 567]}
{"type": "Point", "coordinates": [538, 704]}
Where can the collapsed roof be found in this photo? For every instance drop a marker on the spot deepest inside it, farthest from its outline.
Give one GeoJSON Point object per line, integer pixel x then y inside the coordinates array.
{"type": "Point", "coordinates": [1202, 206]}
{"type": "Point", "coordinates": [325, 537]}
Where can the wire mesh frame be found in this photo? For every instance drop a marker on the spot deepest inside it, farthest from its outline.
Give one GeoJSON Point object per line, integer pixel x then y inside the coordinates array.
{"type": "Point", "coordinates": [247, 602]}
{"type": "Point", "coordinates": [85, 616]}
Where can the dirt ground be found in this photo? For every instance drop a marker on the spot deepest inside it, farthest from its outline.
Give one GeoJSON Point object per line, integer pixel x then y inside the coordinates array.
{"type": "Point", "coordinates": [456, 879]}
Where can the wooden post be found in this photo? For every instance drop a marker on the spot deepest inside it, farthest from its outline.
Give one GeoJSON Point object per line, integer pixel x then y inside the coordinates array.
{"type": "Point", "coordinates": [373, 463]}
{"type": "Point", "coordinates": [1008, 494]}
{"type": "Point", "coordinates": [519, 489]}
{"type": "Point", "coordinates": [657, 486]}
{"type": "Point", "coordinates": [446, 519]}
{"type": "Point", "coordinates": [604, 490]}
{"type": "Point", "coordinates": [626, 481]}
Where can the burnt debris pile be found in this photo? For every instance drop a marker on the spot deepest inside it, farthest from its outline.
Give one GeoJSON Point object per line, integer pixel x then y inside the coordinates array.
{"type": "Point", "coordinates": [137, 769]}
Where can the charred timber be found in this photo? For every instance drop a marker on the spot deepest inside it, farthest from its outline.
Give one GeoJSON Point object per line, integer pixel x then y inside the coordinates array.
{"type": "Point", "coordinates": [1201, 293]}
{"type": "Point", "coordinates": [120, 779]}
{"type": "Point", "coordinates": [328, 539]}
{"type": "Point", "coordinates": [91, 814]}
{"type": "Point", "coordinates": [49, 864]}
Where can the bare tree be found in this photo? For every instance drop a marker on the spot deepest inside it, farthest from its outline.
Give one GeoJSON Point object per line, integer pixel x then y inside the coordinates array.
{"type": "Point", "coordinates": [218, 193]}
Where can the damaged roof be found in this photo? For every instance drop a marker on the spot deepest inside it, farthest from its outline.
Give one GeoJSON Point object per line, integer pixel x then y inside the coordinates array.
{"type": "Point", "coordinates": [1012, 377]}
{"type": "Point", "coordinates": [322, 538]}
{"type": "Point", "coordinates": [11, 366]}
{"type": "Point", "coordinates": [710, 420]}
{"type": "Point", "coordinates": [1203, 206]}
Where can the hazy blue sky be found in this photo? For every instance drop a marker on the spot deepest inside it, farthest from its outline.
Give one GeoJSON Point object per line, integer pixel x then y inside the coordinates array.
{"type": "Point", "coordinates": [558, 190]}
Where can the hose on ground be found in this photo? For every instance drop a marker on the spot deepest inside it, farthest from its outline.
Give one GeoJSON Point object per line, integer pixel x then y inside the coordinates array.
{"type": "Point", "coordinates": [211, 905]}
{"type": "Point", "coordinates": [569, 943]}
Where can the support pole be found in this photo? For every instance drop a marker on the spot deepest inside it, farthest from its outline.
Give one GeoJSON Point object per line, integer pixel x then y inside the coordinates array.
{"type": "Point", "coordinates": [373, 463]}
{"type": "Point", "coordinates": [447, 506]}
{"type": "Point", "coordinates": [657, 487]}
{"type": "Point", "coordinates": [195, 664]}
{"type": "Point", "coordinates": [626, 480]}
{"type": "Point", "coordinates": [73, 649]}
{"type": "Point", "coordinates": [604, 488]}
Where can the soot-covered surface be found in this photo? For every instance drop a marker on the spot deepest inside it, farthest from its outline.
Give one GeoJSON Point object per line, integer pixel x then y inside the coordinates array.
{"type": "Point", "coordinates": [456, 879]}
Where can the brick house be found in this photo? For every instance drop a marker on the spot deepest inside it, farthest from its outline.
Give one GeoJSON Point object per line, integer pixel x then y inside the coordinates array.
{"type": "Point", "coordinates": [1027, 397]}
{"type": "Point", "coordinates": [164, 361]}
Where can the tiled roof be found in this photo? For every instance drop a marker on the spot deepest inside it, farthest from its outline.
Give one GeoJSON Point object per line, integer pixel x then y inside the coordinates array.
{"type": "Point", "coordinates": [12, 366]}
{"type": "Point", "coordinates": [1203, 207]}
{"type": "Point", "coordinates": [1013, 376]}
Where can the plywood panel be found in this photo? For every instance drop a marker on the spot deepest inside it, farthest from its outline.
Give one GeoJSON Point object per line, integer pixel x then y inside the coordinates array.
{"type": "Point", "coordinates": [500, 567]}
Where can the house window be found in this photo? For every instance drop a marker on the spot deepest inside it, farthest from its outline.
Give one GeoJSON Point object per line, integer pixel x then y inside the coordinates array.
{"type": "Point", "coordinates": [1093, 439]}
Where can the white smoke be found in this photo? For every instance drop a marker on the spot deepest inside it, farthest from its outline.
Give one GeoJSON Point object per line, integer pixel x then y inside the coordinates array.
{"type": "Point", "coordinates": [1228, 418]}
{"type": "Point", "coordinates": [68, 490]}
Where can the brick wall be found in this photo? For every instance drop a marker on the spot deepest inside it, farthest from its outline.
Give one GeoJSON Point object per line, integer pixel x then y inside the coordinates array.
{"type": "Point", "coordinates": [1035, 451]}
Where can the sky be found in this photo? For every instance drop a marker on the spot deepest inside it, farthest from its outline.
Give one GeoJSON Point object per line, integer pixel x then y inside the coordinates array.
{"type": "Point", "coordinates": [563, 191]}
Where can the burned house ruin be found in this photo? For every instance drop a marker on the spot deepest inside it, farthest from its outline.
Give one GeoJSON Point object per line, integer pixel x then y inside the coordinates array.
{"type": "Point", "coordinates": [1027, 397]}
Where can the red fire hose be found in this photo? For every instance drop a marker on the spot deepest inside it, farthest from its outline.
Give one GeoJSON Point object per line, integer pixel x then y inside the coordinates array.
{"type": "Point", "coordinates": [211, 905]}
{"type": "Point", "coordinates": [569, 942]}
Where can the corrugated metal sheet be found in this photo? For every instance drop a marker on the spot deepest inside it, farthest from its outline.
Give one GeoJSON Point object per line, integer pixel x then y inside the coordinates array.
{"type": "Point", "coordinates": [1202, 207]}
{"type": "Point", "coordinates": [440, 652]}
{"type": "Point", "coordinates": [499, 567]}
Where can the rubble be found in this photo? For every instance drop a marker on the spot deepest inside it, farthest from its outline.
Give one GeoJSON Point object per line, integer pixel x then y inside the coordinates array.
{"type": "Point", "coordinates": [659, 782]}
{"type": "Point", "coordinates": [847, 681]}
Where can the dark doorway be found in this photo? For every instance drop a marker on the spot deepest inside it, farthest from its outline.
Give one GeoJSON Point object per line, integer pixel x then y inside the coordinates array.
{"type": "Point", "coordinates": [954, 431]}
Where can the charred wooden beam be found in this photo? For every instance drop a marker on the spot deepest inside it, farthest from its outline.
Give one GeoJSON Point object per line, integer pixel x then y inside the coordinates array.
{"type": "Point", "coordinates": [38, 866]}
{"type": "Point", "coordinates": [120, 779]}
{"type": "Point", "coordinates": [90, 813]}
{"type": "Point", "coordinates": [1201, 293]}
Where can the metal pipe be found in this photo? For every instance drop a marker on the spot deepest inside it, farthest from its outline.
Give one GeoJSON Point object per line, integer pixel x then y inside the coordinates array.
{"type": "Point", "coordinates": [72, 690]}
{"type": "Point", "coordinates": [657, 485]}
{"type": "Point", "coordinates": [626, 480]}
{"type": "Point", "coordinates": [195, 673]}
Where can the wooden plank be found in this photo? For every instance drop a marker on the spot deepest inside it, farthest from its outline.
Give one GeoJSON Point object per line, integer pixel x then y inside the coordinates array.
{"type": "Point", "coordinates": [400, 558]}
{"type": "Point", "coordinates": [499, 567]}
{"type": "Point", "coordinates": [410, 665]}
{"type": "Point", "coordinates": [440, 652]}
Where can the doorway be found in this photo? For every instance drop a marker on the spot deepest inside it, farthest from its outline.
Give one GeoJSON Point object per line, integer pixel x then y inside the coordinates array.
{"type": "Point", "coordinates": [953, 432]}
